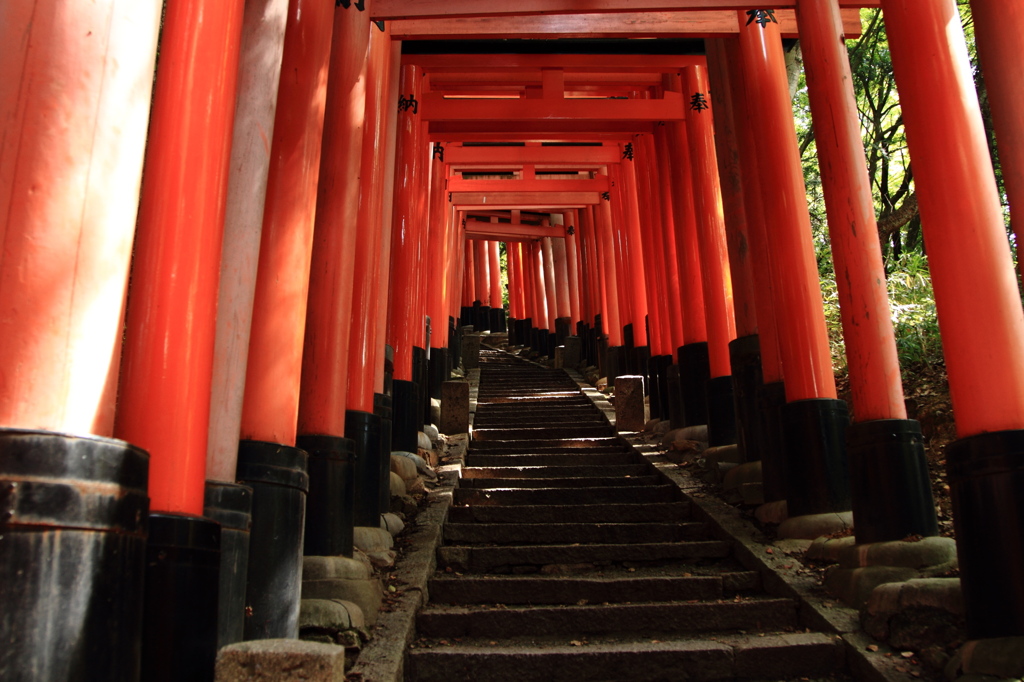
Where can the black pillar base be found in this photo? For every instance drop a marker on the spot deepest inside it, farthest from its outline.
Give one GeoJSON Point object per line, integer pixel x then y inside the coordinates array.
{"type": "Point", "coordinates": [552, 342]}
{"type": "Point", "coordinates": [405, 426]}
{"type": "Point", "coordinates": [513, 331]}
{"type": "Point", "coordinates": [614, 358]}
{"type": "Point", "coordinates": [454, 345]}
{"type": "Point", "coordinates": [655, 387]}
{"type": "Point", "coordinates": [421, 377]}
{"type": "Point", "coordinates": [363, 429]}
{"type": "Point", "coordinates": [277, 475]}
{"type": "Point", "coordinates": [71, 563]}
{"type": "Point", "coordinates": [890, 489]}
{"type": "Point", "coordinates": [389, 368]}
{"type": "Point", "coordinates": [230, 505]}
{"type": "Point", "coordinates": [481, 318]}
{"type": "Point", "coordinates": [674, 396]}
{"type": "Point", "coordinates": [745, 361]}
{"type": "Point", "coordinates": [642, 356]}
{"type": "Point", "coordinates": [382, 408]}
{"type": "Point", "coordinates": [770, 398]}
{"type": "Point", "coordinates": [438, 368]}
{"type": "Point", "coordinates": [986, 479]}
{"type": "Point", "coordinates": [179, 630]}
{"type": "Point", "coordinates": [331, 495]}
{"type": "Point", "coordinates": [563, 328]}
{"type": "Point", "coordinates": [496, 321]}
{"type": "Point", "coordinates": [817, 473]}
{"type": "Point", "coordinates": [694, 373]}
{"type": "Point", "coordinates": [466, 315]}
{"type": "Point", "coordinates": [628, 356]}
{"type": "Point", "coordinates": [721, 411]}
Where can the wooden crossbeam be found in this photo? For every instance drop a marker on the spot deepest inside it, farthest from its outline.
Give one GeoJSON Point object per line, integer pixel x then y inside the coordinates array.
{"type": "Point", "coordinates": [706, 24]}
{"type": "Point", "coordinates": [536, 186]}
{"type": "Point", "coordinates": [478, 229]}
{"type": "Point", "coordinates": [523, 200]}
{"type": "Point", "coordinates": [421, 9]}
{"type": "Point", "coordinates": [435, 107]}
{"type": "Point", "coordinates": [577, 157]}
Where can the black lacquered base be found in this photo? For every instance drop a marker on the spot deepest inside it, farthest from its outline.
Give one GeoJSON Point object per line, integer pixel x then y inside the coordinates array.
{"type": "Point", "coordinates": [818, 475]}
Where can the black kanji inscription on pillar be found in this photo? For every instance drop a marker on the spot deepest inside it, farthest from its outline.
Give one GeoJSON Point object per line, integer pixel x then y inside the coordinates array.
{"type": "Point", "coordinates": [607, 196]}
{"type": "Point", "coordinates": [571, 230]}
{"type": "Point", "coordinates": [360, 5]}
{"type": "Point", "coordinates": [761, 16]}
{"type": "Point", "coordinates": [439, 152]}
{"type": "Point", "coordinates": [627, 151]}
{"type": "Point", "coordinates": [698, 102]}
{"type": "Point", "coordinates": [407, 104]}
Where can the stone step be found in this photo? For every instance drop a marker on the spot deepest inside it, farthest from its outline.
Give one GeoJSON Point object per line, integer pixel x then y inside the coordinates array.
{"type": "Point", "coordinates": [605, 495]}
{"type": "Point", "coordinates": [751, 614]}
{"type": "Point", "coordinates": [587, 420]}
{"type": "Point", "coordinates": [541, 433]}
{"type": "Point", "coordinates": [499, 559]}
{"type": "Point", "coordinates": [776, 656]}
{"type": "Point", "coordinates": [561, 589]}
{"type": "Point", "coordinates": [568, 533]}
{"type": "Point", "coordinates": [572, 458]}
{"type": "Point", "coordinates": [572, 513]}
{"type": "Point", "coordinates": [551, 444]}
{"type": "Point", "coordinates": [560, 482]}
{"type": "Point", "coordinates": [520, 472]}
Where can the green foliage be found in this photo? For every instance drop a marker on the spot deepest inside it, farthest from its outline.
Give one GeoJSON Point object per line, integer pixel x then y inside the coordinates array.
{"type": "Point", "coordinates": [914, 319]}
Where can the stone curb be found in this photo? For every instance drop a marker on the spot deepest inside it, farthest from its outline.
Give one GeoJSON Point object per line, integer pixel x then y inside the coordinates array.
{"type": "Point", "coordinates": [382, 659]}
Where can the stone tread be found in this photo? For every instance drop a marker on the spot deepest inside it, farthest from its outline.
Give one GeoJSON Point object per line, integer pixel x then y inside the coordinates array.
{"type": "Point", "coordinates": [560, 589]}
{"type": "Point", "coordinates": [568, 533]}
{"type": "Point", "coordinates": [483, 559]}
{"type": "Point", "coordinates": [774, 656]}
{"type": "Point", "coordinates": [573, 620]}
{"type": "Point", "coordinates": [572, 513]}
{"type": "Point", "coordinates": [561, 482]}
{"type": "Point", "coordinates": [517, 472]}
{"type": "Point", "coordinates": [602, 495]}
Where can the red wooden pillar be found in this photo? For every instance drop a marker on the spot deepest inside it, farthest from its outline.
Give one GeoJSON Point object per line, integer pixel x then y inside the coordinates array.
{"type": "Point", "coordinates": [438, 267]}
{"type": "Point", "coordinates": [693, 356]}
{"type": "Point", "coordinates": [469, 276]}
{"type": "Point", "coordinates": [562, 287]}
{"type": "Point", "coordinates": [404, 320]}
{"type": "Point", "coordinates": [547, 273]}
{"type": "Point", "coordinates": [634, 248]}
{"type": "Point", "coordinates": [663, 178]}
{"type": "Point", "coordinates": [274, 368]}
{"type": "Point", "coordinates": [1002, 60]}
{"type": "Point", "coordinates": [75, 95]}
{"type": "Point", "coordinates": [978, 305]}
{"type": "Point", "coordinates": [494, 271]}
{"type": "Point", "coordinates": [168, 356]}
{"type": "Point", "coordinates": [650, 218]}
{"type": "Point", "coordinates": [716, 279]}
{"type": "Point", "coordinates": [744, 351]}
{"type": "Point", "coordinates": [482, 286]}
{"type": "Point", "coordinates": [883, 444]}
{"type": "Point", "coordinates": [572, 254]}
{"type": "Point", "coordinates": [259, 72]}
{"type": "Point", "coordinates": [167, 365]}
{"type": "Point", "coordinates": [540, 296]}
{"type": "Point", "coordinates": [813, 420]}
{"type": "Point", "coordinates": [609, 267]}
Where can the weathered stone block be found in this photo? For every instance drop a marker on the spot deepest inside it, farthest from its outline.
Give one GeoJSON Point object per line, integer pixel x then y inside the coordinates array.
{"type": "Point", "coordinates": [366, 594]}
{"type": "Point", "coordinates": [470, 352]}
{"type": "Point", "coordinates": [455, 407]}
{"type": "Point", "coordinates": [629, 403]}
{"type": "Point", "coordinates": [277, 660]}
{"type": "Point", "coordinates": [573, 354]}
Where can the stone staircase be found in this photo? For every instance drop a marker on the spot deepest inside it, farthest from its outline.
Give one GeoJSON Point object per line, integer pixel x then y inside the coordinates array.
{"type": "Point", "coordinates": [567, 556]}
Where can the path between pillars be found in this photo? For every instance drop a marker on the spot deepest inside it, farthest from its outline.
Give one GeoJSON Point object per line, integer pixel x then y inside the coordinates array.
{"type": "Point", "coordinates": [566, 555]}
{"type": "Point", "coordinates": [558, 550]}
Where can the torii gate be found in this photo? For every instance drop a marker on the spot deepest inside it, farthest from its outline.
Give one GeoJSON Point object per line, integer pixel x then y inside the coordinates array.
{"type": "Point", "coordinates": [301, 382]}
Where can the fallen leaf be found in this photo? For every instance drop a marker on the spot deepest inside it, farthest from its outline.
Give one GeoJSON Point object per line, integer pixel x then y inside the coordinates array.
{"type": "Point", "coordinates": [907, 654]}
{"type": "Point", "coordinates": [872, 647]}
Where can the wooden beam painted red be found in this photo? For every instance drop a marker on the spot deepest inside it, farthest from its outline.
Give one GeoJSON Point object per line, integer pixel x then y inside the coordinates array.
{"type": "Point", "coordinates": [523, 200]}
{"type": "Point", "coordinates": [596, 185]}
{"type": "Point", "coordinates": [651, 24]}
{"type": "Point", "coordinates": [478, 229]}
{"type": "Point", "coordinates": [435, 107]}
{"type": "Point", "coordinates": [406, 9]}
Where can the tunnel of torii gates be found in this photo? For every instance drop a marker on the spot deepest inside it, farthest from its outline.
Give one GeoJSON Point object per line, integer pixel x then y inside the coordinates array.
{"type": "Point", "coordinates": [230, 290]}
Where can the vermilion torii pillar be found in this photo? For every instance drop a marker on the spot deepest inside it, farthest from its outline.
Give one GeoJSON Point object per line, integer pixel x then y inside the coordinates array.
{"type": "Point", "coordinates": [274, 370]}
{"type": "Point", "coordinates": [70, 168]}
{"type": "Point", "coordinates": [771, 392]}
{"type": "Point", "coordinates": [611, 320]}
{"type": "Point", "coordinates": [481, 286]}
{"type": "Point", "coordinates": [890, 485]}
{"type": "Point", "coordinates": [167, 365]}
{"type": "Point", "coordinates": [1002, 56]}
{"type": "Point", "coordinates": [547, 257]}
{"type": "Point", "coordinates": [468, 283]}
{"type": "Point", "coordinates": [814, 421]}
{"type": "Point", "coordinates": [563, 320]}
{"type": "Point", "coordinates": [365, 348]}
{"type": "Point", "coordinates": [633, 257]}
{"type": "Point", "coordinates": [404, 319]}
{"type": "Point", "coordinates": [978, 305]}
{"type": "Point", "coordinates": [494, 271]}
{"type": "Point", "coordinates": [692, 356]}
{"type": "Point", "coordinates": [259, 72]}
{"type": "Point", "coordinates": [572, 254]}
{"type": "Point", "coordinates": [744, 351]}
{"type": "Point", "coordinates": [715, 275]}
{"type": "Point", "coordinates": [439, 266]}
